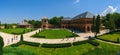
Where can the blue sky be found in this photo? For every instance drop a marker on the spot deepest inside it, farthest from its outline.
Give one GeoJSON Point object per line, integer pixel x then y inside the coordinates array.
{"type": "Point", "coordinates": [14, 11]}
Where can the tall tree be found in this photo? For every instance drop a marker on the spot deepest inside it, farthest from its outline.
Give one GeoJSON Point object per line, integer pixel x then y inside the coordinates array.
{"type": "Point", "coordinates": [93, 24]}
{"type": "Point", "coordinates": [1, 45]}
{"type": "Point", "coordinates": [97, 26]}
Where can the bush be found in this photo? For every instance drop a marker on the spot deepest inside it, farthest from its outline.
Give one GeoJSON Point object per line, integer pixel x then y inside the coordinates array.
{"type": "Point", "coordinates": [93, 42]}
{"type": "Point", "coordinates": [31, 43]}
{"type": "Point", "coordinates": [26, 43]}
{"type": "Point", "coordinates": [56, 45]}
{"type": "Point", "coordinates": [1, 45]}
{"type": "Point", "coordinates": [21, 38]}
{"type": "Point", "coordinates": [37, 36]}
{"type": "Point", "coordinates": [16, 44]}
{"type": "Point", "coordinates": [80, 42]}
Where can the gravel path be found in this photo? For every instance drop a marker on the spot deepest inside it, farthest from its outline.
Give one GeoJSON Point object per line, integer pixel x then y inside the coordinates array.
{"type": "Point", "coordinates": [11, 39]}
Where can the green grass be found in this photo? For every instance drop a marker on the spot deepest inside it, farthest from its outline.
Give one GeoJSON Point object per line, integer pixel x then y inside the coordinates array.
{"type": "Point", "coordinates": [60, 33]}
{"type": "Point", "coordinates": [111, 36]}
{"type": "Point", "coordinates": [83, 49]}
{"type": "Point", "coordinates": [16, 30]}
{"type": "Point", "coordinates": [104, 49]}
{"type": "Point", "coordinates": [17, 51]}
{"type": "Point", "coordinates": [74, 50]}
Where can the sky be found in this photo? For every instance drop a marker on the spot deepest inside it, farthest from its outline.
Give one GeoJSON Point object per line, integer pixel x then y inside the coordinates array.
{"type": "Point", "coordinates": [14, 11]}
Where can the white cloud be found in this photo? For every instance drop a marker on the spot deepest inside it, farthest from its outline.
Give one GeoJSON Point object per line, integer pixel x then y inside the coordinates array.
{"type": "Point", "coordinates": [77, 1]}
{"type": "Point", "coordinates": [110, 9]}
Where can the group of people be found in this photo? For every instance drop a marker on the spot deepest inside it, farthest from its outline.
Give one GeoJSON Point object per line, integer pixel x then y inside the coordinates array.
{"type": "Point", "coordinates": [12, 39]}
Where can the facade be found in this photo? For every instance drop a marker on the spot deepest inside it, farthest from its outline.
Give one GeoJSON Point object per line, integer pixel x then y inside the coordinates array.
{"type": "Point", "coordinates": [82, 22]}
{"type": "Point", "coordinates": [45, 24]}
{"type": "Point", "coordinates": [24, 24]}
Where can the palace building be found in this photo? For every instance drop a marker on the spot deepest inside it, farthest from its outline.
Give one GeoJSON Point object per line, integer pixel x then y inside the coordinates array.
{"type": "Point", "coordinates": [82, 22]}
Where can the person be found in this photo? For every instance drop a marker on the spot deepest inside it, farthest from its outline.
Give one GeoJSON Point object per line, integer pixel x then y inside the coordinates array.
{"type": "Point", "coordinates": [16, 37]}
{"type": "Point", "coordinates": [11, 39]}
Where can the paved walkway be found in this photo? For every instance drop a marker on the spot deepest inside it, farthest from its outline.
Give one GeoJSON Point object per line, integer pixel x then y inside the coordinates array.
{"type": "Point", "coordinates": [9, 38]}
{"type": "Point", "coordinates": [83, 36]}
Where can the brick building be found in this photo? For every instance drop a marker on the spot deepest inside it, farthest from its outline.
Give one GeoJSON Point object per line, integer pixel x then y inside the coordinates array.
{"type": "Point", "coordinates": [82, 22]}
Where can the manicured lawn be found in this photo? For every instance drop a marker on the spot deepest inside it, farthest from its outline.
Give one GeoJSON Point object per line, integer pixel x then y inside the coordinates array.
{"type": "Point", "coordinates": [83, 49]}
{"type": "Point", "coordinates": [59, 33]}
{"type": "Point", "coordinates": [112, 36]}
{"type": "Point", "coordinates": [16, 30]}
{"type": "Point", "coordinates": [17, 51]}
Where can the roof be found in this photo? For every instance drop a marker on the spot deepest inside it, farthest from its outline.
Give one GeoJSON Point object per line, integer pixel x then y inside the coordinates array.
{"type": "Point", "coordinates": [84, 15]}
{"type": "Point", "coordinates": [67, 18]}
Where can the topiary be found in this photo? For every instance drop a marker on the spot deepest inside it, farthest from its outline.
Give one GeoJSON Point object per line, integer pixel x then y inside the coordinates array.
{"type": "Point", "coordinates": [21, 38]}
{"type": "Point", "coordinates": [1, 45]}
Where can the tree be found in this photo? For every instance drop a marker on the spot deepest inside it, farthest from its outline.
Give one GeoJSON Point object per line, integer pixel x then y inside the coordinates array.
{"type": "Point", "coordinates": [21, 38]}
{"type": "Point", "coordinates": [97, 26]}
{"type": "Point", "coordinates": [1, 45]}
{"type": "Point", "coordinates": [111, 21]}
{"type": "Point", "coordinates": [35, 23]}
{"type": "Point", "coordinates": [93, 24]}
{"type": "Point", "coordinates": [56, 21]}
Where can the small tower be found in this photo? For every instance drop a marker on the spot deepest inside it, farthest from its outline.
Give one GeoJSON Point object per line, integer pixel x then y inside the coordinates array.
{"type": "Point", "coordinates": [44, 23]}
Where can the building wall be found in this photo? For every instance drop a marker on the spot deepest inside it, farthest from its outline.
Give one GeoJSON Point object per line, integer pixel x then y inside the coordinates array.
{"type": "Point", "coordinates": [82, 24]}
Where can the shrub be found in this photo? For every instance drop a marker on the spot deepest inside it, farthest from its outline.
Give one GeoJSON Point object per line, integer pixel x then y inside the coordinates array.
{"type": "Point", "coordinates": [37, 36]}
{"type": "Point", "coordinates": [16, 44]}
{"type": "Point", "coordinates": [118, 40]}
{"type": "Point", "coordinates": [31, 43]}
{"type": "Point", "coordinates": [93, 42]}
{"type": "Point", "coordinates": [21, 37]}
{"type": "Point", "coordinates": [26, 43]}
{"type": "Point", "coordinates": [56, 45]}
{"type": "Point", "coordinates": [1, 45]}
{"type": "Point", "coordinates": [80, 42]}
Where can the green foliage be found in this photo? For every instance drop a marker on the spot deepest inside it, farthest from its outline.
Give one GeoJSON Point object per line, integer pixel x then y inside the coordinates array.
{"type": "Point", "coordinates": [80, 42]}
{"type": "Point", "coordinates": [97, 24]}
{"type": "Point", "coordinates": [1, 45]}
{"type": "Point", "coordinates": [26, 43]}
{"type": "Point", "coordinates": [55, 21]}
{"type": "Point", "coordinates": [111, 21]}
{"type": "Point", "coordinates": [93, 43]}
{"type": "Point", "coordinates": [93, 24]}
{"type": "Point", "coordinates": [35, 23]}
{"type": "Point", "coordinates": [21, 38]}
{"type": "Point", "coordinates": [56, 45]}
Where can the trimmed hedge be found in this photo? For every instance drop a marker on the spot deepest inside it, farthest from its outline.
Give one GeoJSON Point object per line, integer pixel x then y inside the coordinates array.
{"type": "Point", "coordinates": [86, 41]}
{"type": "Point", "coordinates": [26, 43]}
{"type": "Point", "coordinates": [31, 43]}
{"type": "Point", "coordinates": [56, 45]}
{"type": "Point", "coordinates": [16, 44]}
{"type": "Point", "coordinates": [93, 43]}
{"type": "Point", "coordinates": [108, 40]}
{"type": "Point", "coordinates": [37, 36]}
{"type": "Point", "coordinates": [80, 42]}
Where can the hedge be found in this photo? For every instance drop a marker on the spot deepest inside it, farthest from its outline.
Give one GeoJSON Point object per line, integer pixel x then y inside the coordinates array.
{"type": "Point", "coordinates": [31, 43]}
{"type": "Point", "coordinates": [26, 43]}
{"type": "Point", "coordinates": [37, 36]}
{"type": "Point", "coordinates": [108, 40]}
{"type": "Point", "coordinates": [93, 42]}
{"type": "Point", "coordinates": [80, 42]}
{"type": "Point", "coordinates": [56, 45]}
